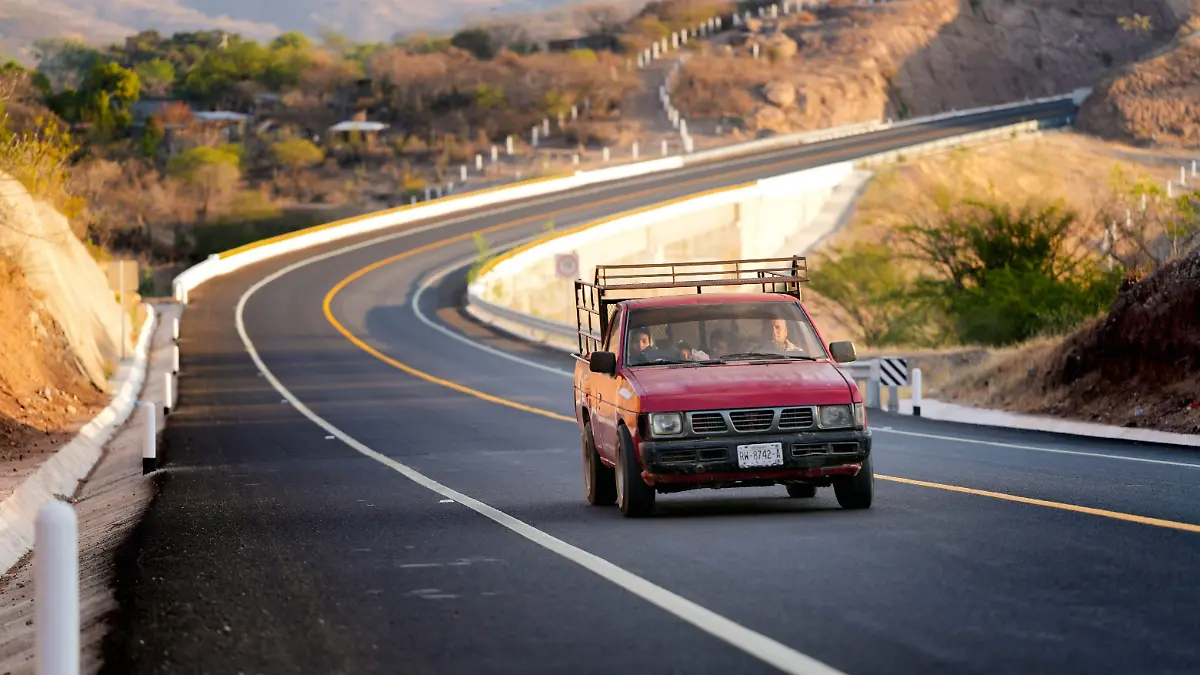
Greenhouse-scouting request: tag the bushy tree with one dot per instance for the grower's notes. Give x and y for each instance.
(868, 283)
(213, 171)
(294, 155)
(157, 76)
(477, 41)
(1006, 274)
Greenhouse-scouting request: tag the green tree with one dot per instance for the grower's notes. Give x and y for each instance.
(1008, 274)
(214, 172)
(292, 40)
(490, 97)
(103, 99)
(866, 281)
(295, 155)
(476, 41)
(216, 78)
(156, 75)
(152, 136)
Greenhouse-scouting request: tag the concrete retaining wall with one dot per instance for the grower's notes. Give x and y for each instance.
(755, 220)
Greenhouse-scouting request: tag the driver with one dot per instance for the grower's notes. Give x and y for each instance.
(779, 337)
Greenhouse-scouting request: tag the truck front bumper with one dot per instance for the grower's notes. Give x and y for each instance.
(813, 455)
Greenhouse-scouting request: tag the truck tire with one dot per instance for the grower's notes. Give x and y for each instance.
(802, 491)
(856, 492)
(634, 497)
(600, 480)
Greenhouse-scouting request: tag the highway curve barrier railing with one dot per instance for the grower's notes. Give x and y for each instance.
(229, 261)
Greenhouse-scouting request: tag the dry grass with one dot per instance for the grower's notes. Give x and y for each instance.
(1046, 168)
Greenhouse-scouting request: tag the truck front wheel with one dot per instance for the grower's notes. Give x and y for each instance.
(856, 492)
(635, 498)
(600, 480)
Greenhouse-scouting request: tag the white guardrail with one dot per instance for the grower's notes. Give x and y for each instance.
(221, 264)
(562, 336)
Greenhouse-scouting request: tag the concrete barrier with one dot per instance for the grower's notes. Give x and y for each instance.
(746, 221)
(59, 475)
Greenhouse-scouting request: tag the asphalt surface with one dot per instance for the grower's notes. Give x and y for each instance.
(275, 546)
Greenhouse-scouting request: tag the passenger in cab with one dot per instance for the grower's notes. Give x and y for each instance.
(779, 337)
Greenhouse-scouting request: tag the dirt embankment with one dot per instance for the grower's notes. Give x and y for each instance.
(1137, 367)
(917, 57)
(44, 392)
(1153, 102)
(59, 333)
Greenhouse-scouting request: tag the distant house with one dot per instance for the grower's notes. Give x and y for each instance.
(593, 42)
(231, 125)
(143, 109)
(345, 132)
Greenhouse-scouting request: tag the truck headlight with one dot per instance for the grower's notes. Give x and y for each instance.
(666, 424)
(836, 417)
(860, 416)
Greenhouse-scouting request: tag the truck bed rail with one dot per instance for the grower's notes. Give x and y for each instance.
(614, 283)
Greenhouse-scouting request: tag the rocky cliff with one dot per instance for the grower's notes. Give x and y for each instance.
(917, 57)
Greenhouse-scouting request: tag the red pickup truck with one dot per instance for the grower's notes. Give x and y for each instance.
(681, 384)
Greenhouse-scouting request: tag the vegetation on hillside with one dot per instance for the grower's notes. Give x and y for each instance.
(987, 272)
(166, 145)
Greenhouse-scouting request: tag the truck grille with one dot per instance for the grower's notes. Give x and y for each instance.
(708, 423)
(750, 421)
(796, 418)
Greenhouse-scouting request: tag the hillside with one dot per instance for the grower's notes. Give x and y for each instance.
(845, 63)
(1137, 367)
(1156, 101)
(22, 22)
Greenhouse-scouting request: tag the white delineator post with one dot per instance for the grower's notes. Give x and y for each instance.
(168, 393)
(56, 590)
(175, 329)
(150, 446)
(916, 392)
(175, 359)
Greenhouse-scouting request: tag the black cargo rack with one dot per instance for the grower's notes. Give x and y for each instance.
(616, 283)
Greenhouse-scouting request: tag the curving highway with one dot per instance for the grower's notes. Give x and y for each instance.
(361, 479)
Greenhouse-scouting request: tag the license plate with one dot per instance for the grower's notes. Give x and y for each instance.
(760, 454)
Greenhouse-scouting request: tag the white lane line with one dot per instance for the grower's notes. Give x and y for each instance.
(438, 276)
(755, 644)
(1034, 448)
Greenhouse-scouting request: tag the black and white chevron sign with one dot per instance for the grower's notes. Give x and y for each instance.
(893, 371)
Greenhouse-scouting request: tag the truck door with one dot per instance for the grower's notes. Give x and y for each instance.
(603, 389)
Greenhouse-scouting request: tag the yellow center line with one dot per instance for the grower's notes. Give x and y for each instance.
(327, 307)
(1144, 520)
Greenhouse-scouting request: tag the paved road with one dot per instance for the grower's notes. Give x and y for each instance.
(322, 517)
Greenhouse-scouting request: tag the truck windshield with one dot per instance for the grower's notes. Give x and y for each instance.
(720, 332)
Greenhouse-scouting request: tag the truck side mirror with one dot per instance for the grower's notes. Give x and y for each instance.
(843, 351)
(603, 362)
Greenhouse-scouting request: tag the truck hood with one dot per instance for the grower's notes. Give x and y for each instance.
(739, 385)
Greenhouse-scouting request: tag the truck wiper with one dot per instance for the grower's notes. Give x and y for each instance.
(762, 355)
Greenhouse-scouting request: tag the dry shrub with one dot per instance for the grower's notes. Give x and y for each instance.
(592, 133)
(711, 87)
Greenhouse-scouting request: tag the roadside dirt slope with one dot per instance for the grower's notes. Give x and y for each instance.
(1156, 101)
(1137, 367)
(44, 393)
